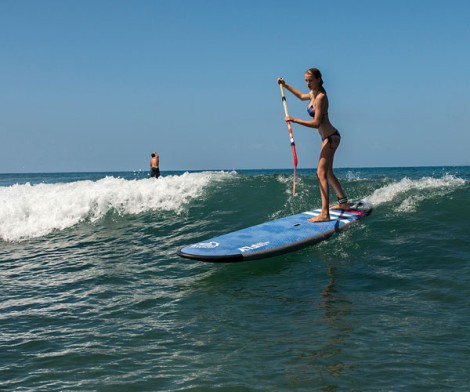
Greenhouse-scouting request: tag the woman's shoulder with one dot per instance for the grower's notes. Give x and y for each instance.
(321, 97)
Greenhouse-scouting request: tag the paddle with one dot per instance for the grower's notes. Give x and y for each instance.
(292, 143)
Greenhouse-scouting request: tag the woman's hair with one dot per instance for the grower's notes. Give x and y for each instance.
(315, 72)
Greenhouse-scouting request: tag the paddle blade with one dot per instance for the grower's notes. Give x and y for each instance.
(295, 180)
(294, 154)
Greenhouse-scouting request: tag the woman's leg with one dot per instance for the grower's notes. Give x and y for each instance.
(333, 181)
(325, 167)
(339, 192)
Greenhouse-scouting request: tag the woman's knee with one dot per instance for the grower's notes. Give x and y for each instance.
(322, 174)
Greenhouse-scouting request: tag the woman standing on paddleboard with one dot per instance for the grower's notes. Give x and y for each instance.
(318, 110)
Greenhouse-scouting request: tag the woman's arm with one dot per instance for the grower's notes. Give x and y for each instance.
(305, 123)
(293, 90)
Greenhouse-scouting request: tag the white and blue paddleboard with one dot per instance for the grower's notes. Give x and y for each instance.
(274, 237)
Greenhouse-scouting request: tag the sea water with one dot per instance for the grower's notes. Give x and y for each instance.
(94, 297)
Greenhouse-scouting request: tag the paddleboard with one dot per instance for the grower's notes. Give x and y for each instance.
(274, 237)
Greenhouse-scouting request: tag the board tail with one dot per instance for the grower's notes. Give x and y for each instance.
(363, 206)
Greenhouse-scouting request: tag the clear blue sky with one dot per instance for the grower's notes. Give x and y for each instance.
(98, 85)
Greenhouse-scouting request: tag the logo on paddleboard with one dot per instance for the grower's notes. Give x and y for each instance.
(254, 246)
(206, 245)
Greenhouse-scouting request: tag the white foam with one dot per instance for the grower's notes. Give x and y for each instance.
(29, 211)
(392, 191)
(353, 175)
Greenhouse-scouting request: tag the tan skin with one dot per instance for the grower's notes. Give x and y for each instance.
(155, 161)
(321, 121)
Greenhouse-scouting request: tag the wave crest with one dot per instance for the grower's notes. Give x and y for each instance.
(432, 186)
(30, 211)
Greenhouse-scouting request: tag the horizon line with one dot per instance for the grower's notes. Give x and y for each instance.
(233, 169)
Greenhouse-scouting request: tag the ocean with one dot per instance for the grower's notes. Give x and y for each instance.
(94, 297)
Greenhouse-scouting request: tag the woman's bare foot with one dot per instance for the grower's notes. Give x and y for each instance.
(320, 218)
(341, 206)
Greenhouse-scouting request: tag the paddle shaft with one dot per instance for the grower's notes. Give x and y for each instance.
(291, 136)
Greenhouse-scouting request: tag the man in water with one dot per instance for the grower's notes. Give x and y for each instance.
(155, 165)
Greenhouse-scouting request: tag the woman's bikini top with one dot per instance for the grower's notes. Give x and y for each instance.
(311, 110)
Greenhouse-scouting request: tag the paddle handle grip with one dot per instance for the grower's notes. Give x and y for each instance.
(284, 103)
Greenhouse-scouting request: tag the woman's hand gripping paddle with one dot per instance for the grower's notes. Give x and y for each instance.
(292, 143)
